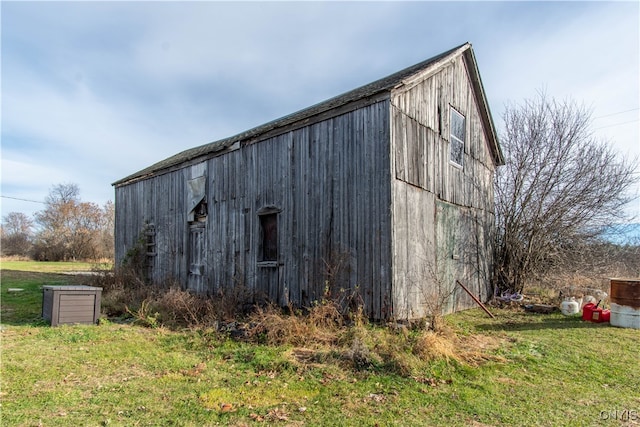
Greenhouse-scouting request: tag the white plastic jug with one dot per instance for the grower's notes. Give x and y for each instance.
(570, 306)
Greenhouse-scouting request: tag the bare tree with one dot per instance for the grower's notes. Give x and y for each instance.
(107, 239)
(560, 187)
(61, 194)
(72, 229)
(16, 234)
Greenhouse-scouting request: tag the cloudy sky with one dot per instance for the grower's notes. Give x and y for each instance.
(92, 92)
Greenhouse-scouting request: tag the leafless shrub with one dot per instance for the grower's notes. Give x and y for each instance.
(435, 292)
(347, 299)
(335, 267)
(182, 308)
(127, 292)
(436, 298)
(121, 288)
(174, 308)
(560, 187)
(232, 303)
(145, 315)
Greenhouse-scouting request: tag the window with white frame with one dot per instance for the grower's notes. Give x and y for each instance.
(456, 142)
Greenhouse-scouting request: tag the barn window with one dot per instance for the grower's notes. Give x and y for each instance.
(196, 203)
(456, 142)
(268, 234)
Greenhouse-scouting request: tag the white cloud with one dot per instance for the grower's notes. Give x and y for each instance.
(95, 91)
(588, 52)
(23, 173)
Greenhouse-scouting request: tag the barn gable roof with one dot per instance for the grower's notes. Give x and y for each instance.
(371, 90)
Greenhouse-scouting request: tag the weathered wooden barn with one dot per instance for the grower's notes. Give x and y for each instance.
(384, 192)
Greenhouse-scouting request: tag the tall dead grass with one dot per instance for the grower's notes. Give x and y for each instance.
(126, 293)
(323, 333)
(121, 288)
(321, 325)
(432, 345)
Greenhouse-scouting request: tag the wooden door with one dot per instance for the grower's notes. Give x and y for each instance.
(448, 254)
(197, 258)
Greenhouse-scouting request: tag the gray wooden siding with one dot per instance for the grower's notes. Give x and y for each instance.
(456, 204)
(330, 181)
(422, 139)
(367, 201)
(413, 249)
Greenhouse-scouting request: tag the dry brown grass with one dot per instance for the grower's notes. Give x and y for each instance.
(5, 258)
(469, 349)
(321, 337)
(121, 288)
(477, 349)
(320, 326)
(125, 292)
(322, 334)
(575, 284)
(553, 289)
(177, 307)
(433, 346)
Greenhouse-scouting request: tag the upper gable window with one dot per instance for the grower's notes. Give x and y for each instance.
(458, 133)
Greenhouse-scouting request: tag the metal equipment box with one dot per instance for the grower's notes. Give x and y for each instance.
(71, 304)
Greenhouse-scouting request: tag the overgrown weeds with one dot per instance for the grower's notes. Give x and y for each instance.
(121, 288)
(321, 325)
(328, 332)
(322, 335)
(125, 293)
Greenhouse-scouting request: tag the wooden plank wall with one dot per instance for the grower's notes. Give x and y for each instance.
(162, 202)
(414, 249)
(330, 181)
(460, 218)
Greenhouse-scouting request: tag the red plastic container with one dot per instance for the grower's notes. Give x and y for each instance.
(596, 315)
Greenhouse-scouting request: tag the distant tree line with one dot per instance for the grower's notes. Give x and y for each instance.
(67, 229)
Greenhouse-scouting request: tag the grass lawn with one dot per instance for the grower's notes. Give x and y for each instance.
(536, 370)
(50, 266)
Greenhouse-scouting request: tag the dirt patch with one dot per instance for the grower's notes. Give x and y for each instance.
(477, 349)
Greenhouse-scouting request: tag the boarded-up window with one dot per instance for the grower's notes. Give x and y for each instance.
(196, 190)
(269, 227)
(456, 142)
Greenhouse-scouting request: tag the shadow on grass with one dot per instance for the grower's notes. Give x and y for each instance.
(21, 293)
(531, 322)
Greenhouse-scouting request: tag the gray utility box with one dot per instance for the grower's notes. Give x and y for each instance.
(71, 304)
